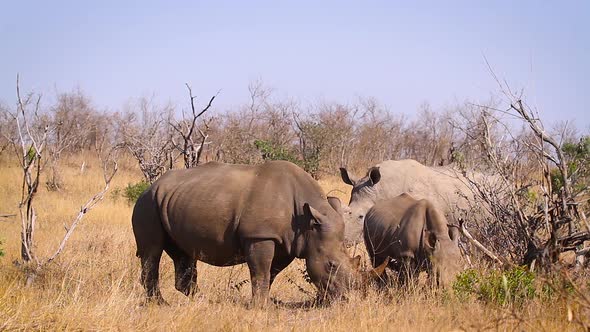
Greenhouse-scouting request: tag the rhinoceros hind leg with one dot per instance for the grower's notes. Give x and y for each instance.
(185, 270)
(150, 266)
(149, 237)
(259, 257)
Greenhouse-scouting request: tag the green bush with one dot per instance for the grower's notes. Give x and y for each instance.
(577, 155)
(311, 164)
(466, 283)
(1, 251)
(272, 151)
(134, 190)
(310, 161)
(514, 286)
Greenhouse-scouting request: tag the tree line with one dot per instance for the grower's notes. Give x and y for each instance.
(533, 180)
(321, 137)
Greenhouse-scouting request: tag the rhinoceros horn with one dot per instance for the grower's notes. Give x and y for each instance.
(372, 274)
(378, 271)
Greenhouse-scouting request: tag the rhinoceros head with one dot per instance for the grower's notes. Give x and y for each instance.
(361, 200)
(328, 265)
(445, 257)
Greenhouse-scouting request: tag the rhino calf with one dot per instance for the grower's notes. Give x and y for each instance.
(263, 215)
(415, 235)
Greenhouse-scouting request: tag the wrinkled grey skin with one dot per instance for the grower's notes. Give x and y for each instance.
(414, 233)
(264, 215)
(440, 185)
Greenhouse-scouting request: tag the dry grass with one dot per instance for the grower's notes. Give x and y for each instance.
(94, 284)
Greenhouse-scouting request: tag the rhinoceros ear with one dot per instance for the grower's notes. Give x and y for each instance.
(313, 215)
(335, 204)
(374, 175)
(346, 177)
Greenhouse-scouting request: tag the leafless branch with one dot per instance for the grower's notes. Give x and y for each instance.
(108, 175)
(477, 244)
(189, 149)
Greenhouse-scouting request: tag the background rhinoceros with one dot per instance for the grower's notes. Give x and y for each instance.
(443, 186)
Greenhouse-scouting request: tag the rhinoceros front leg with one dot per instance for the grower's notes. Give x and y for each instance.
(279, 263)
(259, 257)
(408, 272)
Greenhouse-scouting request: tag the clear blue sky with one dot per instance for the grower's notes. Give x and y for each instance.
(402, 53)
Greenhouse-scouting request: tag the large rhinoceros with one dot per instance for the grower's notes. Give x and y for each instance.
(443, 186)
(264, 215)
(414, 233)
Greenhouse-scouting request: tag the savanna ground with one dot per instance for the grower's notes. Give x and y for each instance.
(94, 283)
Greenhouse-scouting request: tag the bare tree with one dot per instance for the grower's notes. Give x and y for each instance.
(533, 219)
(149, 137)
(379, 135)
(30, 147)
(241, 128)
(191, 147)
(107, 152)
(500, 197)
(331, 128)
(7, 129)
(70, 121)
(560, 207)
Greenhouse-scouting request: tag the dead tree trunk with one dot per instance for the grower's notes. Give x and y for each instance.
(29, 146)
(190, 150)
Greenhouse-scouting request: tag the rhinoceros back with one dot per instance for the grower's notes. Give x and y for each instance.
(208, 210)
(385, 232)
(440, 185)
